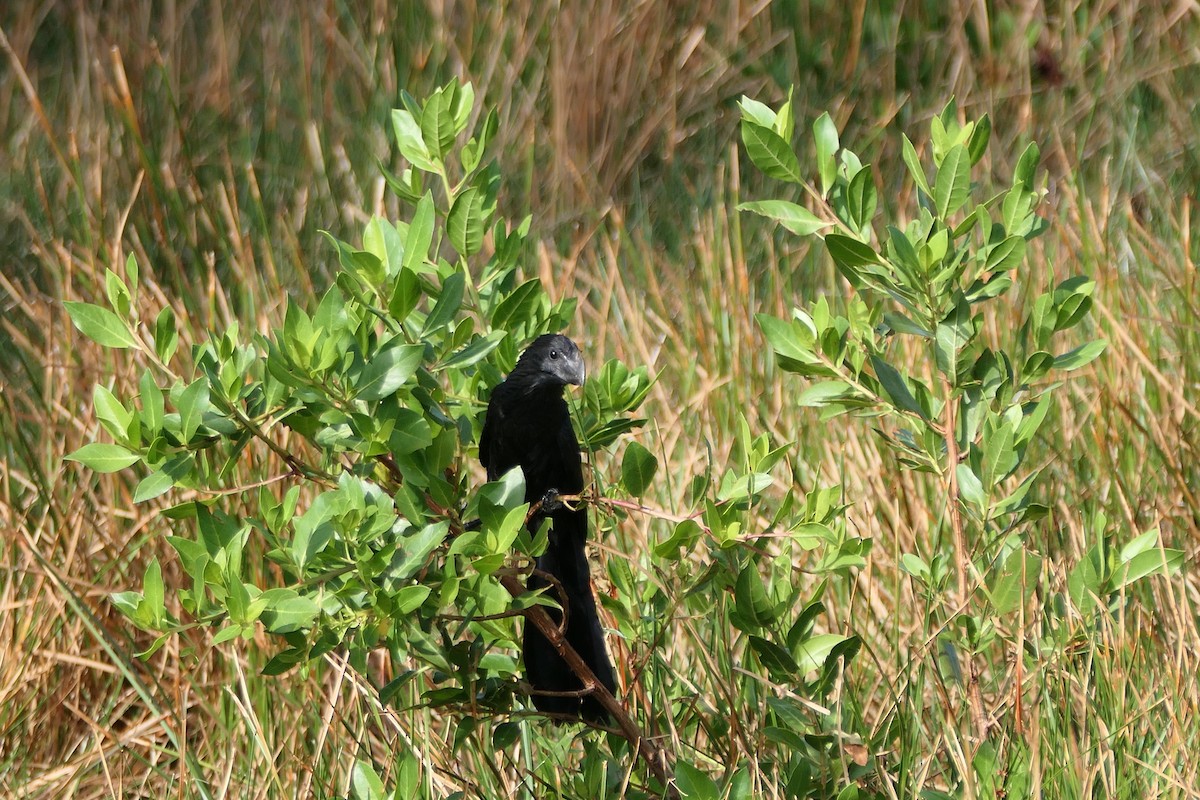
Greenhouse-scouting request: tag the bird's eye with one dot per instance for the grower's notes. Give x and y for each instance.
(554, 354)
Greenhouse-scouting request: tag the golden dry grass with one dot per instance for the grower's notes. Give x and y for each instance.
(212, 141)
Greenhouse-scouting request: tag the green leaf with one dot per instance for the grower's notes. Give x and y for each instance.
(778, 661)
(980, 137)
(1034, 415)
(1036, 366)
(796, 218)
(152, 591)
(914, 565)
(166, 337)
(735, 487)
(413, 550)
(945, 132)
(448, 303)
(1138, 545)
(1086, 580)
(1006, 255)
(758, 113)
(952, 335)
(365, 783)
(638, 466)
(812, 653)
(155, 484)
(850, 253)
(785, 120)
(970, 487)
(903, 255)
(1017, 212)
(1159, 561)
(192, 403)
(1026, 169)
(789, 340)
(1081, 356)
(118, 293)
(111, 413)
(1041, 320)
(902, 324)
(226, 634)
(1072, 301)
(192, 554)
(694, 784)
(861, 200)
(420, 235)
(473, 151)
(770, 152)
(131, 272)
(410, 598)
(462, 105)
(100, 325)
(518, 306)
(154, 647)
(475, 351)
(825, 134)
(381, 239)
(953, 184)
(994, 286)
(465, 224)
(286, 611)
(128, 604)
(822, 393)
(411, 143)
(153, 405)
(914, 166)
(364, 264)
(895, 385)
(685, 535)
(1000, 457)
(405, 295)
(388, 370)
(438, 128)
(407, 774)
(1015, 582)
(104, 458)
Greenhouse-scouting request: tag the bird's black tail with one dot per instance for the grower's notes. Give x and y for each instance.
(566, 560)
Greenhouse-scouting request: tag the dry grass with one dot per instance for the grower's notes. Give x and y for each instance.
(212, 141)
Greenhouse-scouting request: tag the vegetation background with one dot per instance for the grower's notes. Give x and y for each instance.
(214, 139)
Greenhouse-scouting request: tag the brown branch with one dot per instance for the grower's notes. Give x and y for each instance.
(555, 584)
(657, 760)
(649, 511)
(389, 463)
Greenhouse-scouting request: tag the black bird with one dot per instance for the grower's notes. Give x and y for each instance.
(528, 425)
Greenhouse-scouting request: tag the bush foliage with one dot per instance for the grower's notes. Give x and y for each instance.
(320, 476)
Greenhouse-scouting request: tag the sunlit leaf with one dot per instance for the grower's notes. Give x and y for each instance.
(100, 325)
(638, 466)
(770, 152)
(104, 458)
(825, 135)
(953, 183)
(796, 218)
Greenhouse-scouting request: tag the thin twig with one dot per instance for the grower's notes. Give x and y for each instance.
(961, 556)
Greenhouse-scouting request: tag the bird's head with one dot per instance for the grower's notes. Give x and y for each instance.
(552, 360)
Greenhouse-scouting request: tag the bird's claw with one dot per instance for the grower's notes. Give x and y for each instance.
(551, 501)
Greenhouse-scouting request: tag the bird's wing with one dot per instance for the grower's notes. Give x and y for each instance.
(493, 422)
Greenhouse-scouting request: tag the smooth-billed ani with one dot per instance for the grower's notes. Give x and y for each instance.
(528, 425)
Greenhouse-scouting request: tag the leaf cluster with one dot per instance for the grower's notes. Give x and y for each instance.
(367, 409)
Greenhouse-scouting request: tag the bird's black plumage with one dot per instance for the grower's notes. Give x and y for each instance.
(528, 425)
